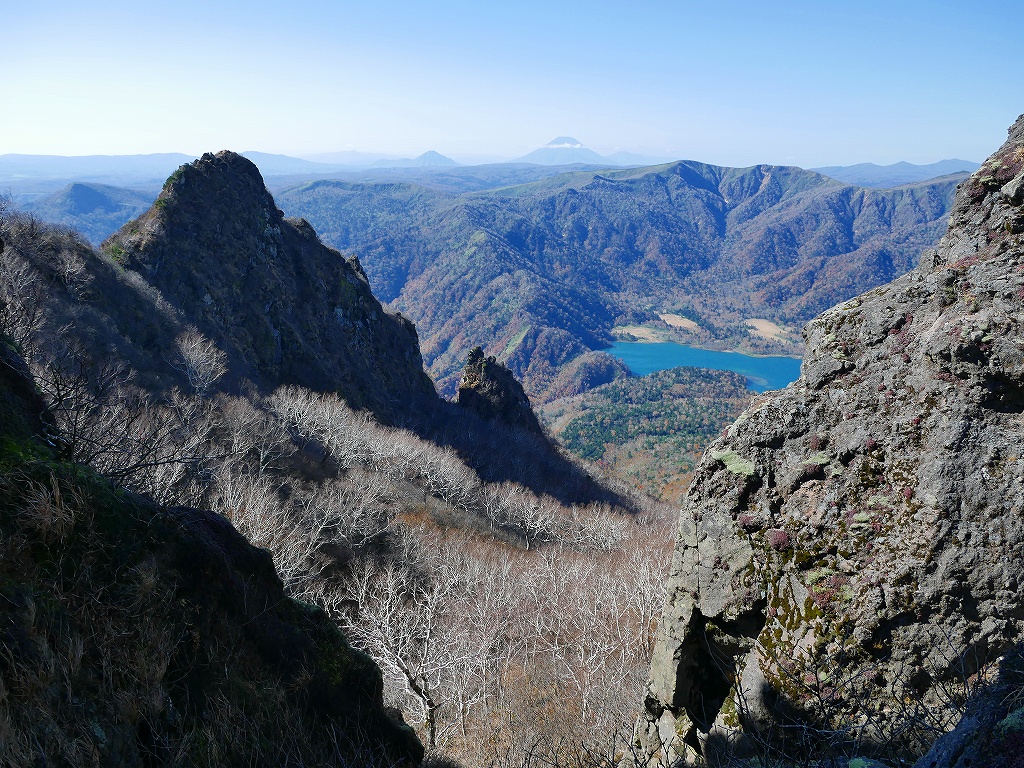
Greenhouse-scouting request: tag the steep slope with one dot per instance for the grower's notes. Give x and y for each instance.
(366, 520)
(286, 308)
(137, 635)
(542, 273)
(849, 553)
(489, 390)
(254, 296)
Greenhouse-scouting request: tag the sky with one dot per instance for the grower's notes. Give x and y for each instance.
(727, 82)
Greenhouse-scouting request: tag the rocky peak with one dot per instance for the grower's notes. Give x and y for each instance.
(490, 390)
(283, 306)
(849, 553)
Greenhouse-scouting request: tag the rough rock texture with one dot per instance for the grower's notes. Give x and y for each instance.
(991, 732)
(287, 308)
(490, 390)
(850, 552)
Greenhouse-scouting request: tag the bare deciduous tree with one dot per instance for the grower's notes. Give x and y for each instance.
(199, 359)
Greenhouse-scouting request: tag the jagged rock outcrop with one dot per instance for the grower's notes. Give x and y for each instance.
(991, 732)
(288, 309)
(137, 635)
(490, 390)
(850, 553)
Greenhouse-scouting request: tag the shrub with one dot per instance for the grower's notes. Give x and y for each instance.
(778, 539)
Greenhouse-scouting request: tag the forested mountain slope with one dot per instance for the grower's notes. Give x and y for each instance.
(141, 635)
(847, 570)
(95, 210)
(231, 297)
(451, 542)
(542, 273)
(649, 430)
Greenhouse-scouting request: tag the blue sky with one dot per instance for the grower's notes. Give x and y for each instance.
(735, 83)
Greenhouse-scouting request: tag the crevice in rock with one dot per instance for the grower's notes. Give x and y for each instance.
(705, 680)
(1003, 393)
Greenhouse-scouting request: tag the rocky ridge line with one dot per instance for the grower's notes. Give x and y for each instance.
(289, 309)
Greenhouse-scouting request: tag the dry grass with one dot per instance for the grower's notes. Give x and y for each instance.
(678, 321)
(640, 333)
(110, 654)
(766, 329)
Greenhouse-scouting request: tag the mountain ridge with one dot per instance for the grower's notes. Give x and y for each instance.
(895, 174)
(541, 274)
(273, 280)
(91, 208)
(261, 304)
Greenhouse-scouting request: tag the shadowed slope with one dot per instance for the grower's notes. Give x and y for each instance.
(287, 308)
(138, 635)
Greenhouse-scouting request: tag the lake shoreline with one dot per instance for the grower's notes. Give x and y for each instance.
(763, 372)
(694, 346)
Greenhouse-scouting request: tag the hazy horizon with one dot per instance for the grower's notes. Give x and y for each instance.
(467, 160)
(735, 83)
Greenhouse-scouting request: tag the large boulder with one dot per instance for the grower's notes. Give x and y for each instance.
(850, 553)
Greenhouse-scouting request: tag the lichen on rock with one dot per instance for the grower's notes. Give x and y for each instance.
(856, 540)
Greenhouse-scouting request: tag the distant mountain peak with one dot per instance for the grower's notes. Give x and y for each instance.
(428, 159)
(564, 142)
(563, 150)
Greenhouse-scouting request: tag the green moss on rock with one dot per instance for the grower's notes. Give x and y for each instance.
(734, 462)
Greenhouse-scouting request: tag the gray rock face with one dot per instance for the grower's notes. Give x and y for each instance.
(991, 732)
(851, 553)
(490, 390)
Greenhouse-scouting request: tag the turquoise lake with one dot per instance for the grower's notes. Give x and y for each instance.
(762, 372)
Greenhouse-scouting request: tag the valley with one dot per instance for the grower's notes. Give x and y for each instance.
(649, 430)
(511, 385)
(544, 274)
(215, 354)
